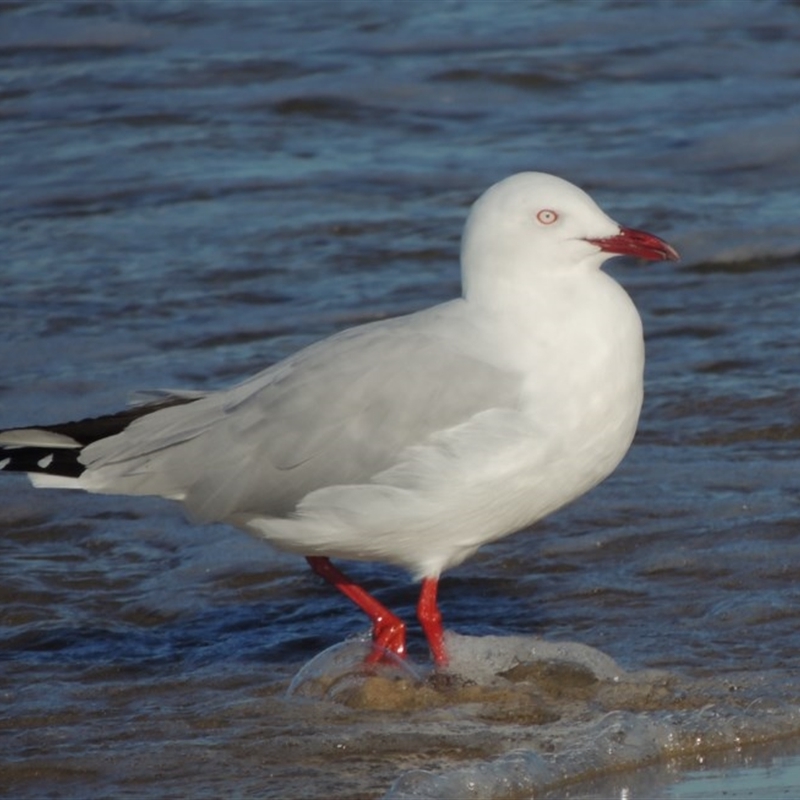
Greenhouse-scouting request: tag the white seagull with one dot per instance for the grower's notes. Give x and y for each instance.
(412, 440)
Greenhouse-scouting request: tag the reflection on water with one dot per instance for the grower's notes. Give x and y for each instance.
(192, 191)
(780, 778)
(737, 773)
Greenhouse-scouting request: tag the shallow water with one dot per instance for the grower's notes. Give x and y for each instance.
(770, 772)
(190, 191)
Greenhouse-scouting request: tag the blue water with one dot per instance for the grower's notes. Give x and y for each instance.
(190, 191)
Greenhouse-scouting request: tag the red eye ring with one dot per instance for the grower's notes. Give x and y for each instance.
(546, 216)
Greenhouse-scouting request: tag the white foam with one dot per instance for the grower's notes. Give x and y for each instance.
(617, 739)
(481, 658)
(342, 665)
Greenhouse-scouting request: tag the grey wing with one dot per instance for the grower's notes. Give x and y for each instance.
(337, 413)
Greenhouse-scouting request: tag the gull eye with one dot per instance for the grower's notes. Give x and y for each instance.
(546, 216)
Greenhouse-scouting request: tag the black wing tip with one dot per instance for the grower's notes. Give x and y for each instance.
(64, 461)
(92, 429)
(41, 460)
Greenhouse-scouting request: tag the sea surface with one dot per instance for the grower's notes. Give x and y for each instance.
(190, 191)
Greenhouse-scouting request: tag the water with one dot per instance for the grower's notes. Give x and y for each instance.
(190, 191)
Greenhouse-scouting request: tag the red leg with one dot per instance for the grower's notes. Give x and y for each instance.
(431, 619)
(388, 630)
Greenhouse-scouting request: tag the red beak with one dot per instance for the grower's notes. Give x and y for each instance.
(630, 242)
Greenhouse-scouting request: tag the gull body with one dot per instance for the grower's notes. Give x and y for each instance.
(413, 440)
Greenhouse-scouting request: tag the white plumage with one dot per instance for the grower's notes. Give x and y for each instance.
(413, 440)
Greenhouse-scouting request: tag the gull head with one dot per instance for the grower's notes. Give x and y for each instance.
(533, 224)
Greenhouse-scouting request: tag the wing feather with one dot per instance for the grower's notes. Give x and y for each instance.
(336, 413)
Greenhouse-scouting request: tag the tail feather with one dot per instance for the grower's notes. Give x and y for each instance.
(54, 450)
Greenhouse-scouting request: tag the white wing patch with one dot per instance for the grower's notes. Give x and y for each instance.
(36, 437)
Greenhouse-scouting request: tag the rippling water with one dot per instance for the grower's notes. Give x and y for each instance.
(190, 191)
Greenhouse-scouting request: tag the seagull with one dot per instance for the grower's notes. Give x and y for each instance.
(413, 440)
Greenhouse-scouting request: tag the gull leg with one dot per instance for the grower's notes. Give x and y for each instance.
(388, 630)
(431, 620)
